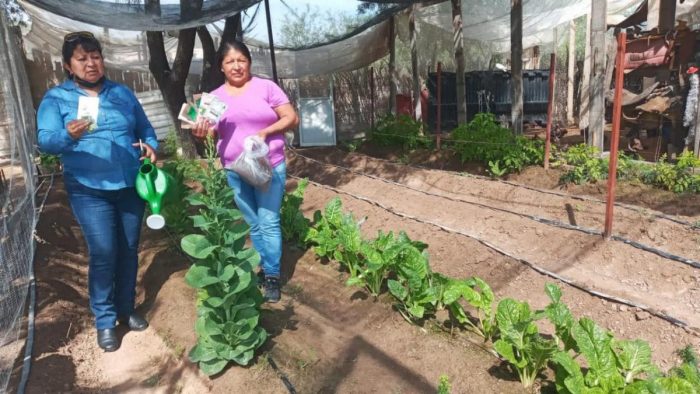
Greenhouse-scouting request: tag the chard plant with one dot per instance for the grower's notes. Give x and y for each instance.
(228, 299)
(415, 287)
(295, 227)
(560, 316)
(520, 342)
(480, 296)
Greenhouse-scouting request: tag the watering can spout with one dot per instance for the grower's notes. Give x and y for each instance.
(152, 185)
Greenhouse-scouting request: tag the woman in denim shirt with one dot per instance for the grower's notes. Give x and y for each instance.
(101, 158)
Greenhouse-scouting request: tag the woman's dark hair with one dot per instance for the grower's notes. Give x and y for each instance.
(83, 39)
(228, 45)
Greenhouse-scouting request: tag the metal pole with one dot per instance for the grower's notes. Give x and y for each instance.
(615, 137)
(550, 110)
(439, 103)
(272, 43)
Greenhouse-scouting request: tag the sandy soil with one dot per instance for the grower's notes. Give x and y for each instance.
(328, 338)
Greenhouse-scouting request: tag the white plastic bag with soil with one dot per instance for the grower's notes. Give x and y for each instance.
(253, 164)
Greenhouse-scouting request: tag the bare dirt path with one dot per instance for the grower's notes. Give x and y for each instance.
(613, 268)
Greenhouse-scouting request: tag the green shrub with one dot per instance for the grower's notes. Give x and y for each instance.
(401, 130)
(483, 140)
(678, 177)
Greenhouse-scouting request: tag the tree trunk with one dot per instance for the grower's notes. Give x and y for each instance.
(459, 61)
(171, 80)
(516, 56)
(597, 95)
(414, 60)
(392, 66)
(212, 77)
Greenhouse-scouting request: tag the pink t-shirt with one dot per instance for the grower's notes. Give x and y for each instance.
(247, 114)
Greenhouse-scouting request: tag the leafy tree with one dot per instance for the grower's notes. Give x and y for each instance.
(308, 26)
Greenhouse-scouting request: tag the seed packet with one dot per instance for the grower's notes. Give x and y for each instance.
(88, 108)
(211, 108)
(188, 115)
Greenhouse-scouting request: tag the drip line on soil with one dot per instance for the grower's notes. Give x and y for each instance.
(29, 346)
(542, 271)
(633, 208)
(550, 222)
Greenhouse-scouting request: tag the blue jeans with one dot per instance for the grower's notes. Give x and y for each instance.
(261, 210)
(111, 224)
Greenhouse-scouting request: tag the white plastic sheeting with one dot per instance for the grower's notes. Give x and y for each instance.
(487, 22)
(128, 49)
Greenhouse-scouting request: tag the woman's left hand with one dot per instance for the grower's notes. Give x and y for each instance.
(147, 150)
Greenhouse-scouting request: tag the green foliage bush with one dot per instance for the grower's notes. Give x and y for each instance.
(483, 140)
(588, 166)
(402, 131)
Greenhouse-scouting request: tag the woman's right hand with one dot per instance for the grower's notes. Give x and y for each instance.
(202, 128)
(76, 128)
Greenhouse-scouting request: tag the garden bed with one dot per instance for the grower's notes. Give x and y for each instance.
(325, 337)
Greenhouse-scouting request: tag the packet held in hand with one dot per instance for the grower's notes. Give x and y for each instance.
(253, 164)
(211, 108)
(88, 108)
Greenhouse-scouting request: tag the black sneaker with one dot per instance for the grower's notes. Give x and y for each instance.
(272, 289)
(261, 278)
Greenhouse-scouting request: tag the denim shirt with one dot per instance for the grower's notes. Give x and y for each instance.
(103, 158)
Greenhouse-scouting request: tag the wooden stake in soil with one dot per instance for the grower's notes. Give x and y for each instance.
(615, 137)
(550, 107)
(371, 97)
(439, 103)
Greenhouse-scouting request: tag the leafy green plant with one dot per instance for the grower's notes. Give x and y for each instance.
(444, 386)
(295, 227)
(587, 164)
(401, 130)
(177, 210)
(676, 177)
(520, 342)
(380, 256)
(560, 316)
(483, 140)
(688, 370)
(170, 144)
(414, 287)
(228, 300)
(480, 296)
(49, 163)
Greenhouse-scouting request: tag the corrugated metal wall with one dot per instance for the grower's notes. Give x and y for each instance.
(156, 111)
(488, 91)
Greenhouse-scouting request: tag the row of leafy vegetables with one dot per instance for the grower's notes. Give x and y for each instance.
(585, 357)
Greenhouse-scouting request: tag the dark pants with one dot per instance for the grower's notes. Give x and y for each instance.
(111, 224)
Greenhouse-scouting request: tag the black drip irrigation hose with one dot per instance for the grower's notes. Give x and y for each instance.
(29, 346)
(282, 376)
(550, 222)
(570, 282)
(657, 215)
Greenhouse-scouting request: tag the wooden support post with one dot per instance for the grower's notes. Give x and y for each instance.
(438, 125)
(413, 38)
(516, 62)
(550, 110)
(615, 137)
(584, 88)
(371, 97)
(459, 61)
(661, 15)
(597, 94)
(392, 66)
(570, 74)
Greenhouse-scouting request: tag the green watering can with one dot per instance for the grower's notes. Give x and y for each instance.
(153, 184)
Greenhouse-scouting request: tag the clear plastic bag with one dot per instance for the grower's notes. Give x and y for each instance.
(253, 164)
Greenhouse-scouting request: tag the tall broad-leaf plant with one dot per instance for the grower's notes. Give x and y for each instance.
(228, 299)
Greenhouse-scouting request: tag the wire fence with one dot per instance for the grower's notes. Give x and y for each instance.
(17, 185)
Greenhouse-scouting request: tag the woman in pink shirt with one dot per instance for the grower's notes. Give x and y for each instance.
(255, 106)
